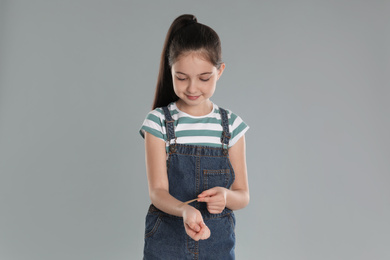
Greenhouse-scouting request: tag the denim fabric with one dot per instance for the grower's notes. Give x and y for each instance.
(225, 125)
(191, 170)
(169, 124)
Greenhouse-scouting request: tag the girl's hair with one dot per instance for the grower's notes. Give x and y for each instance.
(184, 35)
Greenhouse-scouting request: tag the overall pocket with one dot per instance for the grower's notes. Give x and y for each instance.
(214, 178)
(232, 220)
(152, 223)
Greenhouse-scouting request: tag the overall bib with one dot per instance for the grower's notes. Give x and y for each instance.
(191, 170)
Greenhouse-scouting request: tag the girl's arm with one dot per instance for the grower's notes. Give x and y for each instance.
(156, 169)
(238, 196)
(159, 190)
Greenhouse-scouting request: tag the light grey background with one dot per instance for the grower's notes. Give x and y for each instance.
(311, 78)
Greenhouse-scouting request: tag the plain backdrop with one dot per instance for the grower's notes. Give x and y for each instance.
(311, 79)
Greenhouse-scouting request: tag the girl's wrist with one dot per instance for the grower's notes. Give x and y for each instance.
(183, 209)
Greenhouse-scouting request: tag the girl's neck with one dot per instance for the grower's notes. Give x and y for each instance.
(199, 110)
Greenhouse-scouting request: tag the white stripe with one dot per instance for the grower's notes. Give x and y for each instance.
(237, 137)
(199, 126)
(181, 115)
(154, 125)
(157, 113)
(236, 123)
(199, 139)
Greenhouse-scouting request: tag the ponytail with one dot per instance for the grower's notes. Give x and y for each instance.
(185, 34)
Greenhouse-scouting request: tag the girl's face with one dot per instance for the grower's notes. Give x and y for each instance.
(194, 81)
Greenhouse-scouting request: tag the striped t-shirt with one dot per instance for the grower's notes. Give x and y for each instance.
(194, 130)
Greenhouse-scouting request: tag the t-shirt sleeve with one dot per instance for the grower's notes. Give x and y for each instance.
(237, 128)
(153, 124)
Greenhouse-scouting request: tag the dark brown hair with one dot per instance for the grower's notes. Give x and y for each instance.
(184, 35)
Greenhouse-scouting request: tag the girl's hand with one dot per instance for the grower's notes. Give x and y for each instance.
(215, 199)
(194, 225)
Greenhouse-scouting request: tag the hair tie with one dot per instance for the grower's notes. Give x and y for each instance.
(191, 21)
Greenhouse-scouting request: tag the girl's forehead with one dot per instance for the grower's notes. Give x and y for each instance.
(193, 61)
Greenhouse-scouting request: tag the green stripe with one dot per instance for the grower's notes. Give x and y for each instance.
(189, 120)
(153, 132)
(195, 133)
(174, 112)
(160, 110)
(233, 117)
(239, 129)
(207, 120)
(154, 118)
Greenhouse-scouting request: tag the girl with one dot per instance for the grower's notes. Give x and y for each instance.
(192, 147)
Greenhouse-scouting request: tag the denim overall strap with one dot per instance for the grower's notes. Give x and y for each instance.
(225, 133)
(170, 129)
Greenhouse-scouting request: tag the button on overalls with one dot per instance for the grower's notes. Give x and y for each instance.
(191, 170)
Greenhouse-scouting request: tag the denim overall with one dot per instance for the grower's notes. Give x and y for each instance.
(191, 170)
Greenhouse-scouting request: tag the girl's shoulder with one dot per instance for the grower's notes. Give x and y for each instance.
(231, 115)
(156, 115)
(237, 126)
(154, 122)
(159, 112)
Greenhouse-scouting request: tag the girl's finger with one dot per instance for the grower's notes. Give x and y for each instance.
(208, 192)
(195, 227)
(202, 231)
(215, 210)
(190, 232)
(205, 199)
(215, 206)
(206, 232)
(197, 236)
(194, 235)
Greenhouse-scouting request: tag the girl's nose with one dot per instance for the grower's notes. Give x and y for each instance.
(191, 88)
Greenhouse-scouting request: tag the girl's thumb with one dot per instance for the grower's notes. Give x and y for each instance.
(194, 227)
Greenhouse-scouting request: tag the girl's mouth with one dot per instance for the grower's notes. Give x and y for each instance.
(192, 97)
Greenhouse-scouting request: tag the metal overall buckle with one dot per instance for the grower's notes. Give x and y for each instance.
(223, 138)
(172, 148)
(224, 149)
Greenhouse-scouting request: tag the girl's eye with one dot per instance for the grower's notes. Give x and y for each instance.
(181, 79)
(205, 79)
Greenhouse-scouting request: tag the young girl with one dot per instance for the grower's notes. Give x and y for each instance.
(195, 150)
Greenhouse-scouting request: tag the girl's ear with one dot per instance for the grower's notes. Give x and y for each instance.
(220, 70)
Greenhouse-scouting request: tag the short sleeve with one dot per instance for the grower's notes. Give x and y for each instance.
(237, 128)
(153, 124)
